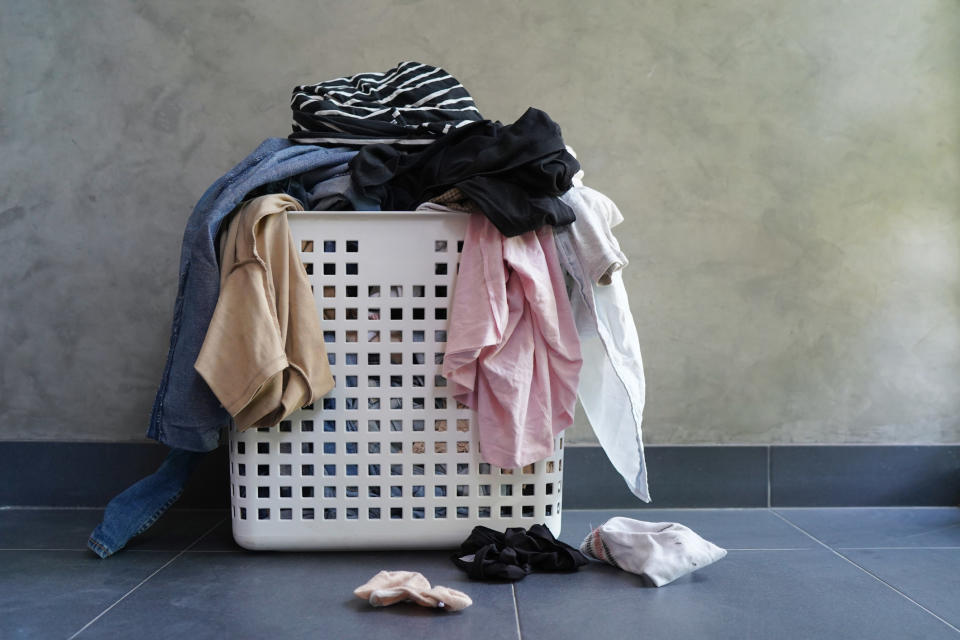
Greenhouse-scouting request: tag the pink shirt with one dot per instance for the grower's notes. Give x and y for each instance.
(513, 353)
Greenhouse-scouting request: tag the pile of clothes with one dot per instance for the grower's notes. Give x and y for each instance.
(658, 552)
(539, 314)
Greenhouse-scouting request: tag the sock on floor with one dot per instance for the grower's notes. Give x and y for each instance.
(391, 587)
(488, 554)
(660, 551)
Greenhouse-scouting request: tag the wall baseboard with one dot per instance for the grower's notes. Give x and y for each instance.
(88, 474)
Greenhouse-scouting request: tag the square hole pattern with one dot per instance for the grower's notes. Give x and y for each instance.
(388, 455)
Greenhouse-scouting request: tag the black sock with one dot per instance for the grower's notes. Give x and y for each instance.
(511, 555)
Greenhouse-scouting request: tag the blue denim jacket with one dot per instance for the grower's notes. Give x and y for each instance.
(186, 413)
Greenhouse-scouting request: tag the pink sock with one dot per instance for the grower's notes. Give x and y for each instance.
(391, 587)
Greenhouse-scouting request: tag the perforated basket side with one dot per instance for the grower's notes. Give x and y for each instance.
(388, 459)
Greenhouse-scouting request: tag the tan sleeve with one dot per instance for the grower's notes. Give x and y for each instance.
(264, 355)
(242, 348)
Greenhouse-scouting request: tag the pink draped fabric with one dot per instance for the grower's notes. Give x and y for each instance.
(513, 353)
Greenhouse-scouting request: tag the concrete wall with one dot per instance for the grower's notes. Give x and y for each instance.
(790, 173)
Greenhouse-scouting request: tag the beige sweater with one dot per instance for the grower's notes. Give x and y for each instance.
(263, 355)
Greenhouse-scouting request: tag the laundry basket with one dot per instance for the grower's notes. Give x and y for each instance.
(387, 459)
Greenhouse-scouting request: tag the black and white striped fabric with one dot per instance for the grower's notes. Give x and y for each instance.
(410, 105)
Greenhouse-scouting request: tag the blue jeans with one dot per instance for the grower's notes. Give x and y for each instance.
(137, 508)
(186, 414)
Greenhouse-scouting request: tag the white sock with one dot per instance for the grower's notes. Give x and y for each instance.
(661, 551)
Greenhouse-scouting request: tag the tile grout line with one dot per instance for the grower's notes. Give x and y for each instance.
(241, 551)
(769, 489)
(898, 548)
(55, 507)
(770, 549)
(798, 507)
(869, 573)
(128, 551)
(144, 581)
(516, 609)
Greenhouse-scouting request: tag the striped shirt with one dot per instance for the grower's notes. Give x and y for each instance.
(410, 105)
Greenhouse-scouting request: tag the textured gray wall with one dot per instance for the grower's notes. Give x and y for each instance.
(790, 174)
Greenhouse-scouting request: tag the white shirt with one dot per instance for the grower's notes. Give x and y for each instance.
(612, 389)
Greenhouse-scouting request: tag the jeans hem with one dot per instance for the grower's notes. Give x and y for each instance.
(102, 550)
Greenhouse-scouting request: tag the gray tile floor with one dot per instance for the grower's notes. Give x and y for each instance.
(790, 573)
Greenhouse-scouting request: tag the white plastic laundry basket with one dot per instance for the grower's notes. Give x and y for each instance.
(387, 459)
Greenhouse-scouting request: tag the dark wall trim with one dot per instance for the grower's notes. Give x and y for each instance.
(88, 474)
(867, 475)
(685, 476)
(775, 475)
